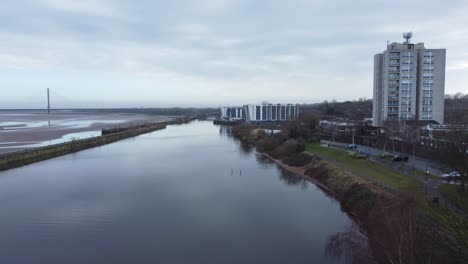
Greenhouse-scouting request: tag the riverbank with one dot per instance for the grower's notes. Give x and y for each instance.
(401, 225)
(339, 183)
(383, 215)
(21, 130)
(22, 158)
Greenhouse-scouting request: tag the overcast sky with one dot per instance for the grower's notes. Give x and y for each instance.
(212, 52)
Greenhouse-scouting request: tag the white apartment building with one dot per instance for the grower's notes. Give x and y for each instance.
(232, 113)
(261, 112)
(271, 112)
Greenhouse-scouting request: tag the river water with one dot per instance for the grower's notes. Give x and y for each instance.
(186, 194)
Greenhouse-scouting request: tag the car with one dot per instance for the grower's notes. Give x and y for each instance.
(400, 158)
(452, 174)
(352, 146)
(365, 153)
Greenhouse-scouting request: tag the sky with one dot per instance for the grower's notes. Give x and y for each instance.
(151, 53)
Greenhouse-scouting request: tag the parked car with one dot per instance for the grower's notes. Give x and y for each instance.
(352, 146)
(452, 174)
(400, 158)
(365, 153)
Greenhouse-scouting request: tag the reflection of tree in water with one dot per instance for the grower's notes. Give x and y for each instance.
(286, 176)
(244, 148)
(264, 161)
(350, 246)
(291, 178)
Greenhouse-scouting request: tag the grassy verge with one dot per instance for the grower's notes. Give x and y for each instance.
(451, 193)
(367, 168)
(454, 224)
(430, 176)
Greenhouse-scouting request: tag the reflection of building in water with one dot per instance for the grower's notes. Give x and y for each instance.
(261, 112)
(225, 130)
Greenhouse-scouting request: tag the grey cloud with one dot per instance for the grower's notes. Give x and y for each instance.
(224, 45)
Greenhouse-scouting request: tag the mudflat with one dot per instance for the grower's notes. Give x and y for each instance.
(27, 129)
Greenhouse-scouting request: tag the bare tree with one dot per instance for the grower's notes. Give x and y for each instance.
(332, 127)
(410, 131)
(399, 233)
(453, 150)
(392, 130)
(351, 245)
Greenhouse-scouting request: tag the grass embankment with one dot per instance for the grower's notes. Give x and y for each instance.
(451, 192)
(454, 224)
(356, 194)
(366, 168)
(389, 206)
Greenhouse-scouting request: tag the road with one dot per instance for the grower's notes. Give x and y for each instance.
(431, 185)
(419, 163)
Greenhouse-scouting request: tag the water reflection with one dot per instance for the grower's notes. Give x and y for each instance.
(244, 147)
(293, 179)
(350, 246)
(185, 194)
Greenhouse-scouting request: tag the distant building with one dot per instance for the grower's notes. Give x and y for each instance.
(435, 136)
(232, 113)
(409, 83)
(261, 112)
(271, 112)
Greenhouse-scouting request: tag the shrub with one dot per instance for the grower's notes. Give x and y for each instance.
(288, 148)
(268, 144)
(319, 172)
(359, 198)
(299, 160)
(356, 155)
(386, 155)
(242, 130)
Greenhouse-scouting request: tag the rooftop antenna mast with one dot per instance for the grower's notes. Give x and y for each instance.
(48, 102)
(407, 36)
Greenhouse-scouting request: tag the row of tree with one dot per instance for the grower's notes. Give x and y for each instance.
(456, 108)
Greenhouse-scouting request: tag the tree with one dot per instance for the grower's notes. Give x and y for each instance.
(392, 131)
(310, 120)
(351, 245)
(453, 151)
(399, 233)
(410, 135)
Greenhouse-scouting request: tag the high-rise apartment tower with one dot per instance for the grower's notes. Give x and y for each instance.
(409, 83)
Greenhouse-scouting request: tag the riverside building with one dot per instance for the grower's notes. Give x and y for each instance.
(261, 112)
(232, 113)
(409, 83)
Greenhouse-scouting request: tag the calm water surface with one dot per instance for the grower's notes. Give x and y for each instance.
(187, 194)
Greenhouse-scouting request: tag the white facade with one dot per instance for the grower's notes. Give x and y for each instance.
(232, 113)
(271, 112)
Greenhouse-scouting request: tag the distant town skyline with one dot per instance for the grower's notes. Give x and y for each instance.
(209, 53)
